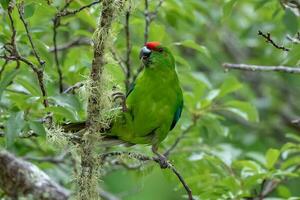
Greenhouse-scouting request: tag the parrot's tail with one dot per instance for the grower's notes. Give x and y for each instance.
(73, 127)
(106, 140)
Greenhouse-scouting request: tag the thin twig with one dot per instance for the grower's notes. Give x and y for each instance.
(246, 67)
(186, 187)
(56, 23)
(74, 43)
(39, 72)
(3, 67)
(271, 41)
(296, 121)
(147, 21)
(144, 158)
(178, 139)
(73, 87)
(128, 47)
(295, 40)
(149, 17)
(118, 59)
(21, 14)
(73, 12)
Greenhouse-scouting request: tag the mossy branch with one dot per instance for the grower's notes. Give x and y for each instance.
(98, 103)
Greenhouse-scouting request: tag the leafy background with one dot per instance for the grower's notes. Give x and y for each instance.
(239, 138)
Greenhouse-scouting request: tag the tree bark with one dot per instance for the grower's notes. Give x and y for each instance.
(21, 178)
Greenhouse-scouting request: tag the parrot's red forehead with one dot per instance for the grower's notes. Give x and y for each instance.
(152, 45)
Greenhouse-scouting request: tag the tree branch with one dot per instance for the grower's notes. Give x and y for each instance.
(19, 177)
(89, 166)
(246, 67)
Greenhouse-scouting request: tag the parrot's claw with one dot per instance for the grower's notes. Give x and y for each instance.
(120, 95)
(160, 159)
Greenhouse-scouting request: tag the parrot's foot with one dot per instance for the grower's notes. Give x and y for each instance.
(160, 159)
(120, 95)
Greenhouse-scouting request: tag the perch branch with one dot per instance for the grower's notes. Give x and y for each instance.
(246, 67)
(144, 158)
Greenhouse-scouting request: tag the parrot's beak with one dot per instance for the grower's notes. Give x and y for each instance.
(145, 53)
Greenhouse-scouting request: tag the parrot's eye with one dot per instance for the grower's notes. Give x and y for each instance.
(160, 50)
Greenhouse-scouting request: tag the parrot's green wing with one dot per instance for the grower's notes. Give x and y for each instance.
(177, 115)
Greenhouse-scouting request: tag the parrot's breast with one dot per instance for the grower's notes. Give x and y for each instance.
(153, 102)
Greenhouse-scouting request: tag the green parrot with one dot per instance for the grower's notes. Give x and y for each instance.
(153, 103)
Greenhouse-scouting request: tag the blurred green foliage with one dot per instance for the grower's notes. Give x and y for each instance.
(239, 139)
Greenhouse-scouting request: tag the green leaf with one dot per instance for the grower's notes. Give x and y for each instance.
(293, 137)
(7, 78)
(212, 94)
(228, 7)
(5, 4)
(272, 156)
(192, 44)
(29, 84)
(37, 127)
(13, 127)
(243, 109)
(291, 22)
(29, 10)
(64, 113)
(284, 191)
(230, 85)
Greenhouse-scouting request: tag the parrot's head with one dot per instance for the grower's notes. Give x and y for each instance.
(154, 54)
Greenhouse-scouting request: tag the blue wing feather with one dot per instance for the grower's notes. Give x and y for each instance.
(177, 115)
(130, 89)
